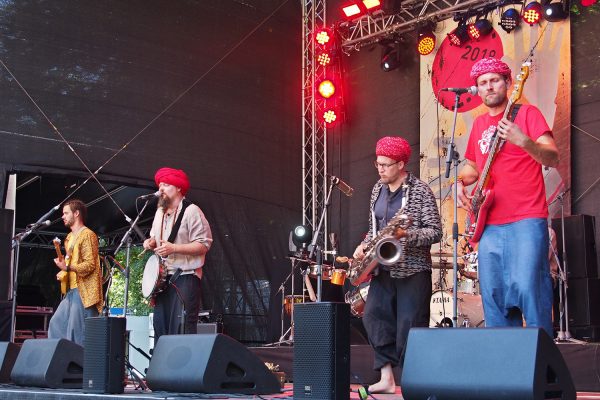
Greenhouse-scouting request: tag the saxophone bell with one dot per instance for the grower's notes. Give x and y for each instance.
(388, 251)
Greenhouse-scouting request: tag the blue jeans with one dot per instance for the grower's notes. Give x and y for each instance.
(514, 274)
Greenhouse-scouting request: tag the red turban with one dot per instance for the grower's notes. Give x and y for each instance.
(393, 147)
(175, 177)
(489, 64)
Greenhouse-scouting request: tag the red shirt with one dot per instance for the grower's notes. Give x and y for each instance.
(516, 177)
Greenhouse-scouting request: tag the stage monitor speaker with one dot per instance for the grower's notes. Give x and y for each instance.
(51, 363)
(503, 363)
(6, 233)
(8, 355)
(208, 363)
(580, 243)
(104, 355)
(322, 351)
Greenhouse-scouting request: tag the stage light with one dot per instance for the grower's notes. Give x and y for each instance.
(459, 36)
(329, 116)
(324, 59)
(301, 236)
(371, 5)
(532, 13)
(425, 41)
(326, 88)
(509, 20)
(324, 37)
(390, 57)
(479, 29)
(555, 12)
(353, 9)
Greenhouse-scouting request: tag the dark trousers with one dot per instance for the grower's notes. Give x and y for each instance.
(393, 307)
(168, 307)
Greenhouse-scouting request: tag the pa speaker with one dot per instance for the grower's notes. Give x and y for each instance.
(104, 355)
(8, 355)
(51, 363)
(322, 351)
(6, 233)
(208, 363)
(580, 243)
(503, 363)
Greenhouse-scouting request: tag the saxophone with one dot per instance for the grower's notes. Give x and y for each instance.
(384, 248)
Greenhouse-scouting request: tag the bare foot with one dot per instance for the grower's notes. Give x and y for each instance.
(387, 383)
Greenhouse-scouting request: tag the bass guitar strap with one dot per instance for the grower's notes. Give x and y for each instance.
(177, 225)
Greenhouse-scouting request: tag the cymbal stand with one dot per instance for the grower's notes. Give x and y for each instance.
(563, 305)
(285, 336)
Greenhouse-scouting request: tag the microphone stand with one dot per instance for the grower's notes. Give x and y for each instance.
(16, 246)
(127, 239)
(313, 246)
(453, 158)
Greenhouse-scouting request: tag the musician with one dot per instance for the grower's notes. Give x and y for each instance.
(84, 296)
(513, 250)
(399, 295)
(183, 256)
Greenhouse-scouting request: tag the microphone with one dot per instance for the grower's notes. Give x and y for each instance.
(343, 186)
(471, 90)
(174, 277)
(39, 224)
(48, 214)
(150, 195)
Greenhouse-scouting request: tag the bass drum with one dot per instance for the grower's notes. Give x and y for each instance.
(469, 310)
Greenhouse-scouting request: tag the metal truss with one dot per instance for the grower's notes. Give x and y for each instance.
(314, 133)
(371, 28)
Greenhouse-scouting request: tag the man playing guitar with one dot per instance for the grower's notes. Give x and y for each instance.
(513, 249)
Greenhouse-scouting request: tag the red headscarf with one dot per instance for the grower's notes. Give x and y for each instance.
(490, 64)
(393, 147)
(175, 177)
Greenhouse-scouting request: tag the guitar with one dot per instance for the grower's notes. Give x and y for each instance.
(483, 193)
(64, 276)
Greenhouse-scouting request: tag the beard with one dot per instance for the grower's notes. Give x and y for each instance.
(164, 202)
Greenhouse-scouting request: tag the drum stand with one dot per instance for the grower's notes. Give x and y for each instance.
(563, 306)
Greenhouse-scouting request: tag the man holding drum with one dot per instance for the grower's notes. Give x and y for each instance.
(399, 295)
(180, 237)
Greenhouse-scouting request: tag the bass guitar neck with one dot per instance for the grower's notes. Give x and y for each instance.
(64, 276)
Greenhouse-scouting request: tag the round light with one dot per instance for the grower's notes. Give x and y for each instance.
(509, 20)
(326, 89)
(532, 13)
(323, 59)
(425, 43)
(323, 37)
(329, 116)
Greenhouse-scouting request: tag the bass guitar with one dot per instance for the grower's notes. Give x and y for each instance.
(64, 276)
(483, 193)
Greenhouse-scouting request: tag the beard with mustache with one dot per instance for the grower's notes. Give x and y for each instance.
(164, 202)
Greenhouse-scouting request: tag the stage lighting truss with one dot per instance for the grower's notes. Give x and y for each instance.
(509, 20)
(532, 13)
(555, 11)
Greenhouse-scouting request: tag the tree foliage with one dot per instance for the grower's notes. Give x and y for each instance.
(136, 303)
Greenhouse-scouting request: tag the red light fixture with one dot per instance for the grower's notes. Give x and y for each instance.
(425, 41)
(329, 116)
(532, 13)
(371, 5)
(324, 59)
(479, 29)
(353, 10)
(324, 37)
(326, 89)
(459, 36)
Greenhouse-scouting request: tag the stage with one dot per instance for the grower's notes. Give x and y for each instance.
(583, 362)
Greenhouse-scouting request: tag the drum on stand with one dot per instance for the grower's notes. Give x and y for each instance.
(290, 300)
(469, 310)
(326, 271)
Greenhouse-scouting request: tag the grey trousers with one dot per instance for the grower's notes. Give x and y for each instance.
(68, 321)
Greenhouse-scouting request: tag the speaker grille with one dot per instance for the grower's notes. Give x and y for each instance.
(104, 355)
(322, 351)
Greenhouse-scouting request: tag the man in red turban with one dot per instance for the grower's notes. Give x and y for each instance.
(400, 291)
(513, 266)
(180, 237)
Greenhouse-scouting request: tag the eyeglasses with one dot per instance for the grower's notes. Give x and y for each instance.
(383, 165)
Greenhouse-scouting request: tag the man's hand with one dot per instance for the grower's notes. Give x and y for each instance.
(463, 199)
(60, 264)
(359, 252)
(399, 233)
(511, 132)
(165, 249)
(150, 244)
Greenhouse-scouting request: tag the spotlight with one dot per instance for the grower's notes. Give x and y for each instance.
(532, 13)
(324, 37)
(425, 41)
(324, 59)
(479, 29)
(459, 36)
(509, 20)
(390, 57)
(555, 12)
(329, 116)
(353, 9)
(301, 237)
(371, 5)
(326, 88)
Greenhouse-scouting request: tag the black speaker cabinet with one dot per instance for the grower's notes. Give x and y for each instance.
(6, 233)
(580, 243)
(322, 351)
(583, 296)
(8, 355)
(51, 363)
(208, 363)
(104, 355)
(503, 363)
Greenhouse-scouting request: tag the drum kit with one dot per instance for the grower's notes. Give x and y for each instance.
(469, 306)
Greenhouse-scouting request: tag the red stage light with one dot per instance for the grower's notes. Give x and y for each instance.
(371, 5)
(326, 88)
(329, 116)
(324, 59)
(353, 9)
(425, 42)
(532, 13)
(324, 37)
(587, 3)
(459, 36)
(480, 28)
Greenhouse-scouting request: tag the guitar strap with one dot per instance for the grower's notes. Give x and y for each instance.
(177, 225)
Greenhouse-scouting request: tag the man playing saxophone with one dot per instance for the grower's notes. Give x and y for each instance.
(400, 293)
